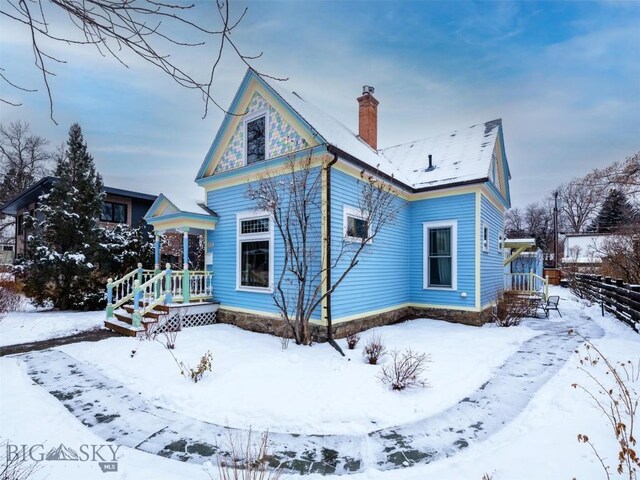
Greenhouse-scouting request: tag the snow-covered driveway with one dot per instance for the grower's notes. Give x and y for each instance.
(120, 415)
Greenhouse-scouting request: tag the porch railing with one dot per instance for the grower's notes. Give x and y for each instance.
(529, 283)
(148, 289)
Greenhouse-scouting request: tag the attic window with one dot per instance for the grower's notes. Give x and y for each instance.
(256, 138)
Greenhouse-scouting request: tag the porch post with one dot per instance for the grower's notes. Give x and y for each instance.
(156, 257)
(186, 282)
(156, 264)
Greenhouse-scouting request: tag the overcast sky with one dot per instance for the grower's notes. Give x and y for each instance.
(564, 77)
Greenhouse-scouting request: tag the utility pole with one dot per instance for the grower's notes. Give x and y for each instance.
(555, 229)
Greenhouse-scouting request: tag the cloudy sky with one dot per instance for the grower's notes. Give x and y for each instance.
(563, 76)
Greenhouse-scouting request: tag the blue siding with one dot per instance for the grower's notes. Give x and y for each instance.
(380, 279)
(455, 207)
(491, 271)
(227, 202)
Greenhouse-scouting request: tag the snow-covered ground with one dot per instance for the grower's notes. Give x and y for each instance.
(31, 324)
(253, 382)
(254, 378)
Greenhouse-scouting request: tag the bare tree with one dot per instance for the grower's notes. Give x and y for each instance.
(145, 29)
(514, 223)
(292, 197)
(624, 176)
(23, 158)
(620, 254)
(580, 201)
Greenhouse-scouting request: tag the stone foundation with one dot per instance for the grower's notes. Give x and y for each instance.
(275, 326)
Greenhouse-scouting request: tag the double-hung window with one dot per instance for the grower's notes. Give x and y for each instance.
(254, 252)
(440, 255)
(256, 130)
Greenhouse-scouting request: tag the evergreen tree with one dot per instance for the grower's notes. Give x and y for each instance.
(66, 234)
(616, 213)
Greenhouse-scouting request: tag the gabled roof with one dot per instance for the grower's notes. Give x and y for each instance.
(461, 156)
(165, 214)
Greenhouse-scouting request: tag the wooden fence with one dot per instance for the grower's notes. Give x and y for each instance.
(615, 296)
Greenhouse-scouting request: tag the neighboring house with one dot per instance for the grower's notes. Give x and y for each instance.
(584, 252)
(119, 207)
(442, 258)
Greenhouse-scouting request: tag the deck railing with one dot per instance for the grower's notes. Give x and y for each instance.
(148, 289)
(529, 283)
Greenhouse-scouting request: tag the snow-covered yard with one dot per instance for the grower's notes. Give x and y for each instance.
(31, 324)
(304, 389)
(311, 390)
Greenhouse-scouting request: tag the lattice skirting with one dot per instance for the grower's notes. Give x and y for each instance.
(177, 322)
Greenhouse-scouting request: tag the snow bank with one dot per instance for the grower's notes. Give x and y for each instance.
(34, 325)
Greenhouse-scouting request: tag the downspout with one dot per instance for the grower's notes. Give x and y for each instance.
(330, 339)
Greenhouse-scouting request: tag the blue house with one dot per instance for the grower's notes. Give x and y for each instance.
(442, 257)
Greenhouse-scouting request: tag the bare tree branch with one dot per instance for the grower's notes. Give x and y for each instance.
(292, 197)
(138, 27)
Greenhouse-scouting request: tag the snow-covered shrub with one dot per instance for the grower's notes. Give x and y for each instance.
(614, 387)
(10, 298)
(405, 370)
(374, 350)
(352, 340)
(509, 310)
(245, 458)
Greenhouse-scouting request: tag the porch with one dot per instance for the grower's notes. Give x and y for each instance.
(525, 284)
(164, 297)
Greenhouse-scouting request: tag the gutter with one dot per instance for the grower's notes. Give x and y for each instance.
(330, 339)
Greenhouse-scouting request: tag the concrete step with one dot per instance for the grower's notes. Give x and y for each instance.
(122, 327)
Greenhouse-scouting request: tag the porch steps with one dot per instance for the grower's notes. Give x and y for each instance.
(122, 328)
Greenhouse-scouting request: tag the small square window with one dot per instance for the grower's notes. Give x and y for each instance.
(356, 228)
(256, 139)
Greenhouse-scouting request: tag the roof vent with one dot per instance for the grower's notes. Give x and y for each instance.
(431, 167)
(368, 90)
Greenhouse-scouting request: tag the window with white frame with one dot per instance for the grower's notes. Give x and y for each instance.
(256, 137)
(441, 255)
(485, 237)
(254, 252)
(355, 226)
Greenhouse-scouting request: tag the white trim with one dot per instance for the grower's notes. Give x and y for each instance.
(453, 224)
(248, 215)
(349, 211)
(485, 246)
(249, 118)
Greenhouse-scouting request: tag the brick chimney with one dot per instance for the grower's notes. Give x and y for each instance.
(368, 117)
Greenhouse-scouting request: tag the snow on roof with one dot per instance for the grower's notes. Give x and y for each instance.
(338, 134)
(189, 205)
(458, 156)
(520, 241)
